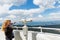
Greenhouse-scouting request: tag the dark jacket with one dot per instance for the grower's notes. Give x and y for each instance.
(9, 32)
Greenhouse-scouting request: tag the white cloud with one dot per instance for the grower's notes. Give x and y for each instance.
(40, 16)
(6, 4)
(11, 16)
(50, 17)
(45, 3)
(19, 2)
(55, 15)
(58, 1)
(28, 13)
(14, 2)
(4, 8)
(1, 18)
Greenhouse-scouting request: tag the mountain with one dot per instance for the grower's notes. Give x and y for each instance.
(33, 23)
(40, 23)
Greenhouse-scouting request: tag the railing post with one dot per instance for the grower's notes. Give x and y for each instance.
(16, 28)
(41, 29)
(17, 35)
(34, 36)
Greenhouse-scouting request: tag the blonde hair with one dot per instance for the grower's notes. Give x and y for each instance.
(5, 24)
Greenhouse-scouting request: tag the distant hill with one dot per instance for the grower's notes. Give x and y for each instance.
(37, 24)
(43, 24)
(52, 26)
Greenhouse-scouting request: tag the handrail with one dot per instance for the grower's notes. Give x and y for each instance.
(40, 28)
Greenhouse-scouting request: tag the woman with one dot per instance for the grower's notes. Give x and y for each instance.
(8, 30)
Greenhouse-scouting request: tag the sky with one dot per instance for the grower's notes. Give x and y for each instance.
(37, 10)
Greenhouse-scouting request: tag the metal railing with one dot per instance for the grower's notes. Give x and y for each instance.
(40, 29)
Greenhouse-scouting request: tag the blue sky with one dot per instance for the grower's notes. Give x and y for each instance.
(28, 5)
(37, 10)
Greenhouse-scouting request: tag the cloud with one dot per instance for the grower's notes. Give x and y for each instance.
(46, 3)
(1, 18)
(29, 14)
(19, 2)
(6, 4)
(40, 16)
(14, 2)
(4, 8)
(11, 16)
(50, 17)
(55, 15)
